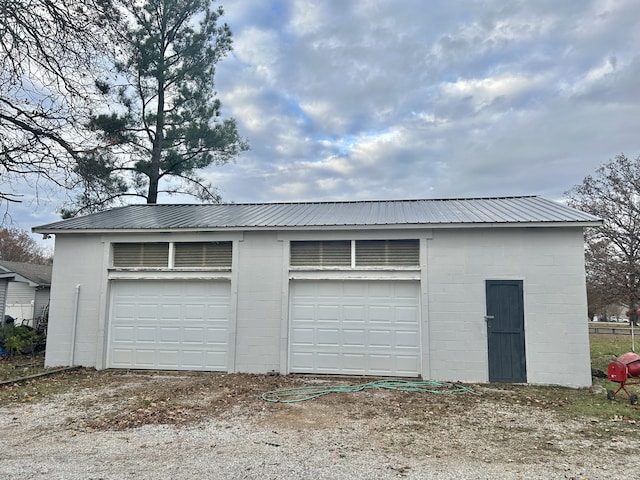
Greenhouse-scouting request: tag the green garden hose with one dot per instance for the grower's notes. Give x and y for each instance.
(301, 394)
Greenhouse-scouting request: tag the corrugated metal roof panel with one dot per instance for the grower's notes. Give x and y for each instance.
(504, 210)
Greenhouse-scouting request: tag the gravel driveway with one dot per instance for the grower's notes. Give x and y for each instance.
(118, 425)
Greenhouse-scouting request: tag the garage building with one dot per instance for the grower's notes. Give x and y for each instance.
(475, 290)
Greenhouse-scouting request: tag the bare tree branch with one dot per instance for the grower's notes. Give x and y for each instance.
(49, 52)
(612, 252)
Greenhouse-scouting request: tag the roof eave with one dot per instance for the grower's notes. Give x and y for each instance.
(389, 226)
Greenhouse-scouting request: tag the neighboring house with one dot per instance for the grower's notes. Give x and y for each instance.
(474, 290)
(27, 294)
(5, 278)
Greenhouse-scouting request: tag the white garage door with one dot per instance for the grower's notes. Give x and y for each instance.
(355, 327)
(171, 325)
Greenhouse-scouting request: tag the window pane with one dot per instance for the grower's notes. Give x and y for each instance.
(203, 254)
(321, 253)
(140, 254)
(383, 253)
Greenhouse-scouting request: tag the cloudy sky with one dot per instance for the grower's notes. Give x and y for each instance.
(388, 99)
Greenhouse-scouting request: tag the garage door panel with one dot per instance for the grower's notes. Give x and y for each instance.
(217, 336)
(379, 314)
(304, 312)
(146, 334)
(406, 314)
(381, 364)
(196, 312)
(123, 333)
(147, 311)
(380, 290)
(355, 289)
(124, 311)
(354, 313)
(169, 335)
(178, 325)
(404, 290)
(304, 360)
(193, 335)
(328, 362)
(354, 338)
(327, 337)
(374, 327)
(328, 313)
(381, 338)
(355, 363)
(328, 290)
(219, 312)
(193, 359)
(120, 357)
(302, 336)
(406, 339)
(406, 364)
(145, 357)
(215, 358)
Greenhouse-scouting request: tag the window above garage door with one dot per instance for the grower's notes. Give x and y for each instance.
(178, 255)
(355, 254)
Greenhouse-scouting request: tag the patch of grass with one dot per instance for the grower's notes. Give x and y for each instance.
(606, 348)
(18, 366)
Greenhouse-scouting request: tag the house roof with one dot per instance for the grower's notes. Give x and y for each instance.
(38, 275)
(389, 213)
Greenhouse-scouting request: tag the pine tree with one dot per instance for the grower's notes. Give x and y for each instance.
(164, 122)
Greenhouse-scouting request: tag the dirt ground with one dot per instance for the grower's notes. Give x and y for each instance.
(121, 424)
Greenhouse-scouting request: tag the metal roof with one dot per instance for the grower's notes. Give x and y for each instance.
(400, 213)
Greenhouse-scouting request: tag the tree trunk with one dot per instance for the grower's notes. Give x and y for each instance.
(154, 174)
(156, 152)
(633, 312)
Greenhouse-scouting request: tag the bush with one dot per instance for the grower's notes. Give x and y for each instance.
(18, 339)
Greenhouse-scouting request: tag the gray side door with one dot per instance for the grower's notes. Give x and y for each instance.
(505, 331)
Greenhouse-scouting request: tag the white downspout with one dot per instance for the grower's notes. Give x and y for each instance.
(75, 325)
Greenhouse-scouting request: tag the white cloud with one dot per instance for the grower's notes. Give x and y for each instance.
(291, 189)
(259, 49)
(484, 91)
(307, 17)
(590, 78)
(381, 99)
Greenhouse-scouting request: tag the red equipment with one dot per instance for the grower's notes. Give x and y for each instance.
(623, 371)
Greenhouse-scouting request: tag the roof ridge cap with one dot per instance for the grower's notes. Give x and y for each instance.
(328, 202)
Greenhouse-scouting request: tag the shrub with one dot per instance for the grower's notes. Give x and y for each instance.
(18, 339)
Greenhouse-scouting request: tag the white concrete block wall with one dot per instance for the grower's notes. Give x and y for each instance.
(551, 265)
(259, 310)
(77, 261)
(458, 262)
(556, 314)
